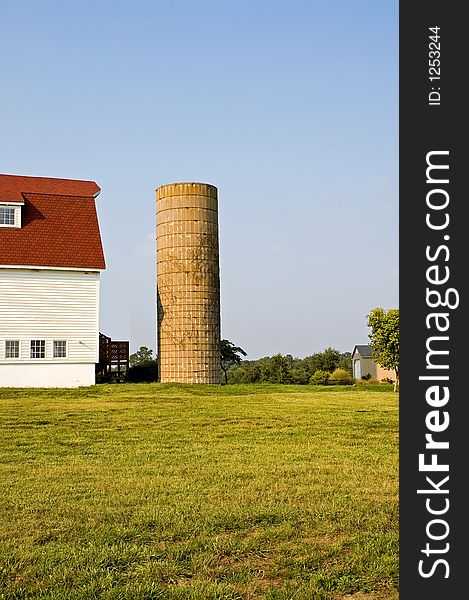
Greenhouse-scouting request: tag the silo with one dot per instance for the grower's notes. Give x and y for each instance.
(188, 283)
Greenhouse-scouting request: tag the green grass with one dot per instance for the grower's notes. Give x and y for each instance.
(153, 491)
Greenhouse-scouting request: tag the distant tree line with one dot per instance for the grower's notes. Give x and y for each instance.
(324, 367)
(327, 367)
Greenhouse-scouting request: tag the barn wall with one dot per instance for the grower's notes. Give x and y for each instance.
(46, 375)
(50, 305)
(368, 366)
(382, 373)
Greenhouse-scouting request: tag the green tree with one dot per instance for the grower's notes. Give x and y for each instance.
(141, 358)
(327, 360)
(299, 374)
(384, 339)
(276, 369)
(330, 359)
(345, 362)
(230, 355)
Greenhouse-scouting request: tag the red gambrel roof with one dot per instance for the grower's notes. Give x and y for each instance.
(12, 187)
(59, 224)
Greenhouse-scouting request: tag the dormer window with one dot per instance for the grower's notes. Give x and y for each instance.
(10, 216)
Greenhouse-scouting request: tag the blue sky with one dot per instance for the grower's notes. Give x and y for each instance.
(290, 109)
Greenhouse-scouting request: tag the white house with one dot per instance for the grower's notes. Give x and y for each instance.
(51, 258)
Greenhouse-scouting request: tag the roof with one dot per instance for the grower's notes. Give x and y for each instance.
(12, 187)
(364, 350)
(59, 224)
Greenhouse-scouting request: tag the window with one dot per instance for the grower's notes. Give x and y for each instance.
(12, 349)
(7, 215)
(60, 349)
(38, 349)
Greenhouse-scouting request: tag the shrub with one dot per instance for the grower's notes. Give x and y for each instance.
(366, 377)
(146, 372)
(366, 382)
(320, 377)
(340, 377)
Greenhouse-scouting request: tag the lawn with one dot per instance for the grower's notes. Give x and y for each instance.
(172, 492)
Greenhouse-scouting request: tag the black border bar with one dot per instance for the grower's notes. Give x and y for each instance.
(433, 248)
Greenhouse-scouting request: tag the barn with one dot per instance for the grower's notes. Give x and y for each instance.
(51, 258)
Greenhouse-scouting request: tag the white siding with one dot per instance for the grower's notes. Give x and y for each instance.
(50, 305)
(46, 375)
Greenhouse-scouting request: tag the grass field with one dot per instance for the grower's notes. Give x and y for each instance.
(165, 491)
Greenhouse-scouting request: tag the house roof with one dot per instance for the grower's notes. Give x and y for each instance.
(364, 350)
(12, 187)
(59, 224)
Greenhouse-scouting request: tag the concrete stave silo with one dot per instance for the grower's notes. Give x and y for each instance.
(188, 282)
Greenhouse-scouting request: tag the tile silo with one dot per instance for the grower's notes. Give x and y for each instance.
(188, 283)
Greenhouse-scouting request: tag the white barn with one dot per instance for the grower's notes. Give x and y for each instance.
(51, 258)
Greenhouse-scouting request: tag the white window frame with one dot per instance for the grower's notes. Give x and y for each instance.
(18, 349)
(4, 212)
(16, 208)
(65, 348)
(33, 349)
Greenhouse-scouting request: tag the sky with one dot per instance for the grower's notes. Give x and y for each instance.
(290, 109)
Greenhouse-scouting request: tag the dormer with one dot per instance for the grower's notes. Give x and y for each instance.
(49, 222)
(10, 214)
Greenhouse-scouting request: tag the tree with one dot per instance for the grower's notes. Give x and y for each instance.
(345, 362)
(230, 355)
(384, 339)
(300, 375)
(276, 369)
(141, 358)
(328, 360)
